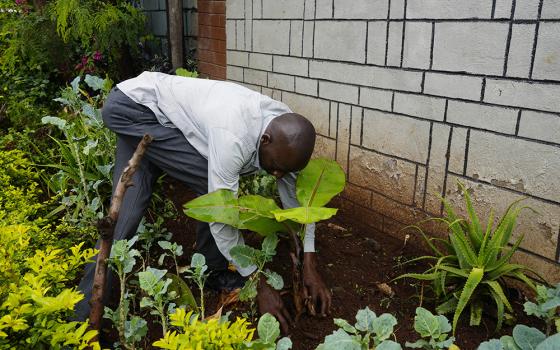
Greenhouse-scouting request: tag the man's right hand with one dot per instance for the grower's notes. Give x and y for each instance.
(269, 300)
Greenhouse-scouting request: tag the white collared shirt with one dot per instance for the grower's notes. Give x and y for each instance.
(224, 122)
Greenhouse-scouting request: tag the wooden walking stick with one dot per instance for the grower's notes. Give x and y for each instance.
(106, 227)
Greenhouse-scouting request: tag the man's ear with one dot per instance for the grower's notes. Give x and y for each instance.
(265, 139)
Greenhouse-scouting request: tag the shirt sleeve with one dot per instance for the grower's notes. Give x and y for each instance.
(226, 156)
(287, 191)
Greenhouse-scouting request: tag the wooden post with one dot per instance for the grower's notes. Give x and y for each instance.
(175, 20)
(106, 227)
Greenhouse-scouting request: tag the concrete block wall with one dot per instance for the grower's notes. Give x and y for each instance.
(411, 96)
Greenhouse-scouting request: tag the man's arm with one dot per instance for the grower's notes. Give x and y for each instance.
(314, 287)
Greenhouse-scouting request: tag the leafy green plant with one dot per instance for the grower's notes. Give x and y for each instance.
(197, 272)
(474, 262)
(523, 338)
(85, 153)
(316, 185)
(182, 72)
(154, 284)
(122, 260)
(150, 233)
(433, 328)
(246, 256)
(260, 183)
(546, 306)
(369, 332)
(170, 249)
(219, 333)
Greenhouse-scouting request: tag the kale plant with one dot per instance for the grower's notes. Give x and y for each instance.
(433, 330)
(546, 308)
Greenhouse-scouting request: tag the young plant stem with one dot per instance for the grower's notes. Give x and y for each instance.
(106, 228)
(297, 276)
(201, 288)
(161, 310)
(122, 314)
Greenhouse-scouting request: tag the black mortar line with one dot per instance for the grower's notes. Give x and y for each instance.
(508, 41)
(336, 132)
(387, 32)
(493, 13)
(403, 31)
(534, 51)
(432, 45)
(447, 157)
(445, 110)
(367, 35)
(558, 247)
(362, 128)
(483, 88)
(415, 185)
(518, 123)
(468, 139)
(427, 166)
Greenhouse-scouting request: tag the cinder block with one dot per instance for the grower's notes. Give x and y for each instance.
(237, 58)
(362, 9)
(550, 9)
(296, 33)
(333, 115)
(332, 40)
(397, 9)
(503, 9)
(323, 9)
(240, 34)
(520, 49)
(235, 9)
(257, 9)
(266, 91)
(314, 109)
(420, 106)
(377, 33)
(357, 194)
(458, 86)
(436, 171)
(482, 116)
(290, 65)
(525, 166)
(545, 267)
(308, 30)
(306, 86)
(394, 48)
(526, 9)
(271, 36)
(420, 189)
(338, 92)
(376, 98)
(457, 152)
(342, 72)
(541, 96)
(234, 73)
(248, 25)
(344, 115)
(396, 135)
(342, 149)
(282, 9)
(231, 35)
(397, 79)
(417, 44)
(255, 77)
(547, 57)
(260, 61)
(540, 126)
(475, 47)
(309, 9)
(281, 81)
(540, 229)
(450, 9)
(252, 87)
(390, 176)
(356, 128)
(324, 148)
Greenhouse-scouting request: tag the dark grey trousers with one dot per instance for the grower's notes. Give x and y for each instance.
(169, 152)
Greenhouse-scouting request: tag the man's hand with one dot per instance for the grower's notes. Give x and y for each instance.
(314, 287)
(269, 300)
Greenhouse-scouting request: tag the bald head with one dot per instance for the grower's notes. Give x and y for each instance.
(287, 144)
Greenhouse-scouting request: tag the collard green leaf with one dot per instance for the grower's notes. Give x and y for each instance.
(383, 326)
(274, 279)
(304, 215)
(527, 338)
(388, 345)
(319, 182)
(340, 340)
(493, 344)
(269, 245)
(342, 323)
(58, 122)
(284, 344)
(149, 280)
(135, 329)
(243, 255)
(268, 328)
(419, 344)
(94, 82)
(508, 343)
(550, 343)
(198, 260)
(364, 320)
(249, 291)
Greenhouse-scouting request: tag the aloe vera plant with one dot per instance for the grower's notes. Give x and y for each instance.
(471, 267)
(316, 185)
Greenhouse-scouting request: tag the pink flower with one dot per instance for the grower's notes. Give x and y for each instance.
(97, 56)
(84, 60)
(19, 2)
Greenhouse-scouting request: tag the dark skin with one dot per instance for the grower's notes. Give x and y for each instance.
(286, 146)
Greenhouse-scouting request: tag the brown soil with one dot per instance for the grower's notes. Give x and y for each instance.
(355, 259)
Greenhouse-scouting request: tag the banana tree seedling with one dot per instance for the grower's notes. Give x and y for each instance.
(316, 185)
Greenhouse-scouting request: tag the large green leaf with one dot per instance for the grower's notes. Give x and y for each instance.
(184, 294)
(219, 206)
(319, 182)
(304, 215)
(475, 276)
(527, 338)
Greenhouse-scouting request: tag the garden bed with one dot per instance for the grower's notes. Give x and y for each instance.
(354, 260)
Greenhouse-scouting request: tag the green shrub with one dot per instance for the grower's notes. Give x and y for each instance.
(472, 267)
(523, 338)
(547, 307)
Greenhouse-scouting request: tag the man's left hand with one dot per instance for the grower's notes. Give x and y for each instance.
(314, 287)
